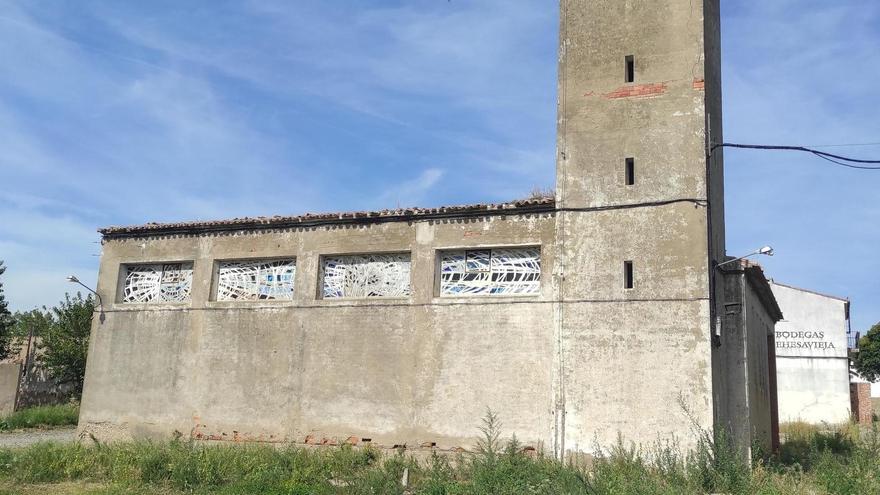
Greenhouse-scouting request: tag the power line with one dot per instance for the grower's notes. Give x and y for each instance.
(836, 159)
(846, 145)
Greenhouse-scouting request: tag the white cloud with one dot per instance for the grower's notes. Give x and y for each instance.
(411, 192)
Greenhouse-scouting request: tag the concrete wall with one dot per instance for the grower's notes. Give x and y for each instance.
(759, 334)
(655, 336)
(422, 369)
(9, 374)
(746, 334)
(811, 357)
(37, 387)
(815, 390)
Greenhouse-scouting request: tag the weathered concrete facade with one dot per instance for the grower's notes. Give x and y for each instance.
(414, 370)
(668, 223)
(618, 340)
(812, 361)
(9, 376)
(750, 316)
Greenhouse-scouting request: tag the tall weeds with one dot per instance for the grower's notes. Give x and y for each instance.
(816, 462)
(41, 417)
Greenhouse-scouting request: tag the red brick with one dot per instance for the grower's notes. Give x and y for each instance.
(638, 90)
(860, 399)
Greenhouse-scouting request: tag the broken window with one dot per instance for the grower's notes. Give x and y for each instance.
(502, 271)
(366, 275)
(255, 280)
(168, 282)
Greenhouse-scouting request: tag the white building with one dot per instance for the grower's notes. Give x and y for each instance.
(812, 365)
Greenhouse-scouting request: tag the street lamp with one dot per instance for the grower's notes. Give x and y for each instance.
(766, 251)
(101, 317)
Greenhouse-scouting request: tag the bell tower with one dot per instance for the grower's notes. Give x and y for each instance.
(641, 218)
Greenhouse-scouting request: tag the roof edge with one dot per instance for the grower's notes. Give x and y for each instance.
(541, 205)
(756, 278)
(817, 293)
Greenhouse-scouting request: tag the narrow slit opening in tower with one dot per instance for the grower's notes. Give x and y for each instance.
(630, 69)
(627, 274)
(630, 171)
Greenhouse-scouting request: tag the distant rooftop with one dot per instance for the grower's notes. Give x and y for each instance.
(525, 206)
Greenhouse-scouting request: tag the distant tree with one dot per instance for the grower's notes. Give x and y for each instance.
(35, 322)
(6, 320)
(867, 361)
(65, 341)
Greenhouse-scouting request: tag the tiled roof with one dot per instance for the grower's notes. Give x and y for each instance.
(312, 219)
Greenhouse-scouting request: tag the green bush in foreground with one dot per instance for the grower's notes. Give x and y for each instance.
(41, 416)
(824, 463)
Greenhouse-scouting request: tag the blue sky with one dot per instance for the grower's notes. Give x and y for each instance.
(125, 112)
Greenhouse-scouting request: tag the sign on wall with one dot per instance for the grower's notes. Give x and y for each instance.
(803, 339)
(813, 325)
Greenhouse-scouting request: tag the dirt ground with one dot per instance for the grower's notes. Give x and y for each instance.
(24, 438)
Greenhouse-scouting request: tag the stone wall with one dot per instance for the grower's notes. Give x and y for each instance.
(37, 387)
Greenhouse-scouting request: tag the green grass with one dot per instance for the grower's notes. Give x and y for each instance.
(41, 417)
(816, 462)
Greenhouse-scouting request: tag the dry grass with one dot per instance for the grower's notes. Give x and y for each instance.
(813, 461)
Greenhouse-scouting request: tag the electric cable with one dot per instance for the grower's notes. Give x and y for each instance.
(856, 163)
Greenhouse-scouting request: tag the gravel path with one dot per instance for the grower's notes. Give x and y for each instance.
(24, 438)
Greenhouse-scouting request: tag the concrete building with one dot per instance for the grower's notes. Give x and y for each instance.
(812, 361)
(750, 316)
(576, 318)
